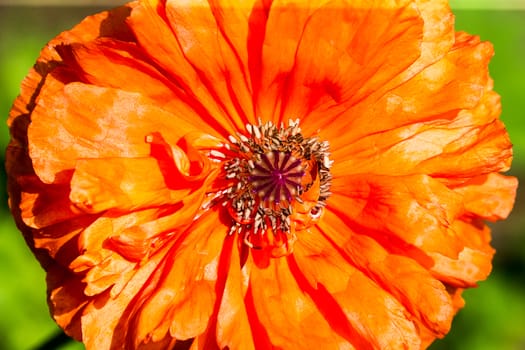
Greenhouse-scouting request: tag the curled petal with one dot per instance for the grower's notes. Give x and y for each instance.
(121, 184)
(118, 130)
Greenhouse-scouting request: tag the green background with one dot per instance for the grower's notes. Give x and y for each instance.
(494, 316)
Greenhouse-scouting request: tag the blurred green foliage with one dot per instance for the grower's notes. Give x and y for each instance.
(494, 318)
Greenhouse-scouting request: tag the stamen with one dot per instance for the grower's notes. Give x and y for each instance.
(271, 173)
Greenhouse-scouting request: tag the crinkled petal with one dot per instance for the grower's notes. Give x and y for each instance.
(410, 283)
(490, 196)
(182, 301)
(416, 209)
(438, 38)
(215, 59)
(474, 262)
(105, 319)
(433, 96)
(275, 288)
(358, 307)
(367, 44)
(131, 70)
(94, 122)
(151, 27)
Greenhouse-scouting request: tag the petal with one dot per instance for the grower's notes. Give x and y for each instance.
(182, 301)
(410, 283)
(111, 247)
(433, 96)
(150, 26)
(374, 319)
(104, 320)
(65, 298)
(130, 70)
(367, 44)
(60, 240)
(476, 151)
(103, 265)
(490, 197)
(106, 23)
(126, 184)
(416, 209)
(439, 150)
(42, 205)
(233, 327)
(286, 312)
(215, 59)
(283, 29)
(473, 263)
(438, 37)
(123, 120)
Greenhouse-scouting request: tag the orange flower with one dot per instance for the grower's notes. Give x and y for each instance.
(260, 175)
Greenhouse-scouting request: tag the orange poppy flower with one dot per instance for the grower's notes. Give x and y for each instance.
(261, 174)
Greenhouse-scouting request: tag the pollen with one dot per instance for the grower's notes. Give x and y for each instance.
(275, 181)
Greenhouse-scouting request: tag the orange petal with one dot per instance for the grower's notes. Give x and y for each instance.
(119, 129)
(131, 70)
(226, 76)
(124, 184)
(282, 31)
(348, 298)
(93, 239)
(367, 44)
(183, 300)
(105, 319)
(150, 26)
(136, 242)
(112, 247)
(422, 148)
(60, 240)
(438, 38)
(42, 205)
(433, 96)
(89, 29)
(470, 267)
(66, 299)
(411, 284)
(490, 197)
(416, 209)
(286, 312)
(476, 151)
(233, 327)
(112, 271)
(474, 262)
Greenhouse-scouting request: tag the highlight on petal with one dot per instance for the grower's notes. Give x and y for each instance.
(260, 174)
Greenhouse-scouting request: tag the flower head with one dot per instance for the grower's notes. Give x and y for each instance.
(260, 174)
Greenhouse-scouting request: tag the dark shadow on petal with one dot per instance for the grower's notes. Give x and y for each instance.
(329, 308)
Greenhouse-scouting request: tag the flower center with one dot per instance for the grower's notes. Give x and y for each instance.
(276, 176)
(275, 182)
